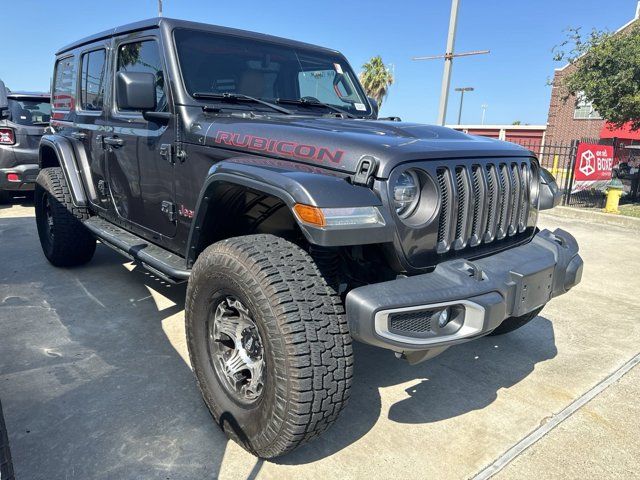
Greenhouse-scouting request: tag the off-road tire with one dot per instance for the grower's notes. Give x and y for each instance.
(514, 323)
(307, 346)
(6, 467)
(71, 243)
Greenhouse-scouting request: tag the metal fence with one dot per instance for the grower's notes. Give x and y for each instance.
(560, 160)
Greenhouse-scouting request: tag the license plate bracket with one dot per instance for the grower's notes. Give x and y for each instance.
(532, 290)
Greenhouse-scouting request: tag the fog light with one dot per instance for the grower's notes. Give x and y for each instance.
(13, 177)
(443, 317)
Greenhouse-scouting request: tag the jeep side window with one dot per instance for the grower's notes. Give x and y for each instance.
(144, 56)
(64, 85)
(92, 80)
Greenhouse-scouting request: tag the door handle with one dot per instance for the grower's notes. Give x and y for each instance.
(79, 135)
(114, 142)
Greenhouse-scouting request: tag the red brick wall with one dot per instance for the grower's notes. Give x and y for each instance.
(561, 126)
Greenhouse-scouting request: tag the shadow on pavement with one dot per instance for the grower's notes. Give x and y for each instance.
(91, 385)
(24, 200)
(94, 388)
(462, 379)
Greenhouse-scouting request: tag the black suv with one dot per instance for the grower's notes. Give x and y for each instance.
(255, 168)
(23, 119)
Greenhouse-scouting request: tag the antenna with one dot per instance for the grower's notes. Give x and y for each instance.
(159, 8)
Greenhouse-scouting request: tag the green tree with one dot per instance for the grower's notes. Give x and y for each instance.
(606, 73)
(376, 79)
(516, 122)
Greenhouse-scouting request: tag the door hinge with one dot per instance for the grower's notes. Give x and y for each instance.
(171, 153)
(365, 171)
(169, 209)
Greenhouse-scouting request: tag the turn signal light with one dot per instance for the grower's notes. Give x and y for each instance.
(309, 214)
(7, 137)
(342, 217)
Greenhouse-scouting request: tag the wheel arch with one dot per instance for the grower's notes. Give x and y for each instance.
(279, 186)
(57, 151)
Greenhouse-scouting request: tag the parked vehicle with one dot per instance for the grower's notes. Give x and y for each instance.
(23, 119)
(255, 168)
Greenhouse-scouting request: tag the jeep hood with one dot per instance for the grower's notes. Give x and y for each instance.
(339, 144)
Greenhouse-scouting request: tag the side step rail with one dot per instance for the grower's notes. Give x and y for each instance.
(159, 261)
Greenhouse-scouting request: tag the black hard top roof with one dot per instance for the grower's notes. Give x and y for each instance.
(173, 23)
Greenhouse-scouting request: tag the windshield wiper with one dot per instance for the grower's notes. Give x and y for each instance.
(239, 97)
(314, 103)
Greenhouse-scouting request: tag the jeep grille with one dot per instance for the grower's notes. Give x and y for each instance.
(482, 203)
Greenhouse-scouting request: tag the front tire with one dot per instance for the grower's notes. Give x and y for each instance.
(65, 240)
(6, 467)
(268, 341)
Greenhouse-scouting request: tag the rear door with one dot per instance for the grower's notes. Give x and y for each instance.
(141, 181)
(91, 118)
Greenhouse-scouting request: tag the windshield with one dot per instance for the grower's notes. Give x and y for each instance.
(218, 64)
(29, 112)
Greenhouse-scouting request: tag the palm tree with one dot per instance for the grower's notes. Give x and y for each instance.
(376, 79)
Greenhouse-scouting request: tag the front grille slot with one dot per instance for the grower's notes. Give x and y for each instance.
(411, 323)
(444, 220)
(482, 203)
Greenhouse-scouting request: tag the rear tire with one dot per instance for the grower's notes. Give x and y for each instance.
(297, 321)
(513, 323)
(65, 240)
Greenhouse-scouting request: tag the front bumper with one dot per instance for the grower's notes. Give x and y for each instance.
(27, 175)
(483, 293)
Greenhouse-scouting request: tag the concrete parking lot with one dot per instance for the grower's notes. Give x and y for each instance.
(96, 384)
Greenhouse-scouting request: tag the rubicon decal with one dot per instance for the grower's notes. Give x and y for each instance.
(280, 147)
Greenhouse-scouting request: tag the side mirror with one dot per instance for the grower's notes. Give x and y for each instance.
(374, 106)
(550, 194)
(4, 101)
(136, 91)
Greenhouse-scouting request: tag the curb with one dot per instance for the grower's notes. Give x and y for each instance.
(592, 216)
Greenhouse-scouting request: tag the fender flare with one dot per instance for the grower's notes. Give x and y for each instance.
(292, 187)
(67, 158)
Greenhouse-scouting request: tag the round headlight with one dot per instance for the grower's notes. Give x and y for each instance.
(406, 193)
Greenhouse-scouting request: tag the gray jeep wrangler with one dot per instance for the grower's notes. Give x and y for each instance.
(255, 169)
(23, 119)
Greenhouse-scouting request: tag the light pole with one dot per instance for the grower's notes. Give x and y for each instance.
(484, 107)
(462, 90)
(448, 56)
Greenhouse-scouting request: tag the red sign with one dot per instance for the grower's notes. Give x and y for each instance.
(593, 162)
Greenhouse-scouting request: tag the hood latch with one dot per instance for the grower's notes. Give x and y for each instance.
(365, 171)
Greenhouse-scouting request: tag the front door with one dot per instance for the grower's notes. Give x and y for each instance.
(141, 181)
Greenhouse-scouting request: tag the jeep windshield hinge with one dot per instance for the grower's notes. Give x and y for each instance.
(172, 152)
(365, 171)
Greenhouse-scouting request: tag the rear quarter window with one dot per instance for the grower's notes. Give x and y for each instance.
(64, 85)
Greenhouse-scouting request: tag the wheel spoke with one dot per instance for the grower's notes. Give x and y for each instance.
(237, 350)
(235, 363)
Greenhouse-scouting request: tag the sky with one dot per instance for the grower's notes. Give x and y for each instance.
(511, 80)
